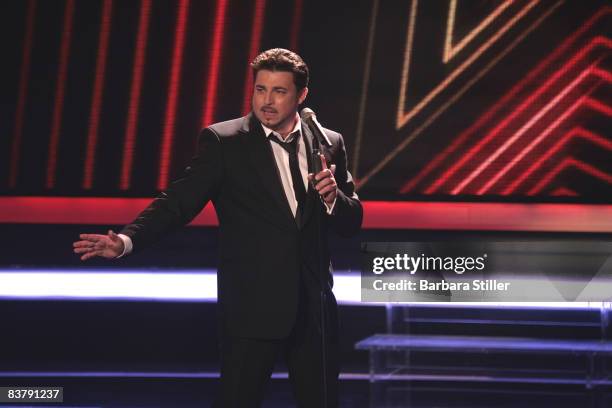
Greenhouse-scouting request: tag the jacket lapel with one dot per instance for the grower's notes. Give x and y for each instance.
(262, 159)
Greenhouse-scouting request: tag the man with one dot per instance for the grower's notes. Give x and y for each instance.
(274, 275)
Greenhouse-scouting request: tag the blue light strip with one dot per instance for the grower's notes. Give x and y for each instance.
(146, 374)
(284, 375)
(132, 285)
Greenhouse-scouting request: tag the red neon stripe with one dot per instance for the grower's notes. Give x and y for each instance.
(593, 171)
(296, 22)
(575, 132)
(135, 92)
(564, 191)
(537, 140)
(599, 106)
(569, 162)
(215, 63)
(60, 89)
(98, 90)
(589, 102)
(468, 157)
(458, 141)
(521, 132)
(554, 125)
(605, 75)
(377, 214)
(23, 93)
(173, 90)
(495, 108)
(256, 31)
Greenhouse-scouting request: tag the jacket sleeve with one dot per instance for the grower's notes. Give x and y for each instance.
(347, 215)
(184, 198)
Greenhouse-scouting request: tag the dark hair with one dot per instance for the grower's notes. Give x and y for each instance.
(280, 59)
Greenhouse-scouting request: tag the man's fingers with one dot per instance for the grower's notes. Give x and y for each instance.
(323, 174)
(92, 253)
(82, 244)
(333, 168)
(88, 255)
(325, 182)
(326, 185)
(92, 245)
(323, 162)
(327, 190)
(91, 237)
(329, 196)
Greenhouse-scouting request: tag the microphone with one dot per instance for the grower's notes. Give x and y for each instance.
(310, 118)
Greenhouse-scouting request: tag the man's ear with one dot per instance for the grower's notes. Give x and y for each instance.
(302, 96)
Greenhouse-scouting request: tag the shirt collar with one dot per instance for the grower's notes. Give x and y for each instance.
(296, 128)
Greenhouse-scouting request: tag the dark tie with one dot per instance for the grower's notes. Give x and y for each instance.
(294, 167)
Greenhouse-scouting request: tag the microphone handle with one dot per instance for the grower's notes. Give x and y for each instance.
(317, 167)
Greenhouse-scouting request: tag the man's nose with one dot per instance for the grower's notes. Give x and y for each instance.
(269, 99)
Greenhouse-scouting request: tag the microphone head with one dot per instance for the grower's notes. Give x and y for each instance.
(310, 118)
(307, 113)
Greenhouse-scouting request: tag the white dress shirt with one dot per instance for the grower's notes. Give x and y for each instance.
(282, 161)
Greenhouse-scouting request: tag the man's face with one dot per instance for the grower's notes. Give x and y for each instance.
(276, 100)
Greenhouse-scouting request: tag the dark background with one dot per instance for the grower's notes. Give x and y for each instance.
(504, 64)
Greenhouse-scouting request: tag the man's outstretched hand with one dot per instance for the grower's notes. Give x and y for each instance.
(106, 246)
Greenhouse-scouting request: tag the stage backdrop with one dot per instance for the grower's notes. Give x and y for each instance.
(437, 99)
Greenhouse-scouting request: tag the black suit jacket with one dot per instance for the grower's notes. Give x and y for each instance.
(262, 249)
